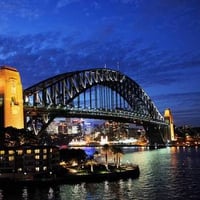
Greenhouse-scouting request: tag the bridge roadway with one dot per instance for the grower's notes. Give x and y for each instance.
(115, 115)
(95, 93)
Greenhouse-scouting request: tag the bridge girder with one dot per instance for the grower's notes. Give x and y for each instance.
(55, 95)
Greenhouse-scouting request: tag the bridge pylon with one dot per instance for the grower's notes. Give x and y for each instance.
(155, 134)
(11, 98)
(169, 120)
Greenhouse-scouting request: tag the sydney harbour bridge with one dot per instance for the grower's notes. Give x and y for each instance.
(99, 93)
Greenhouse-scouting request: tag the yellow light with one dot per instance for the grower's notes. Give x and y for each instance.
(19, 152)
(169, 119)
(11, 158)
(2, 152)
(63, 163)
(11, 98)
(37, 150)
(28, 151)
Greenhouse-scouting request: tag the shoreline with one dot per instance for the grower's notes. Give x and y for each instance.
(70, 178)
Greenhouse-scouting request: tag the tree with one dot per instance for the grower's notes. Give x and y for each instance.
(91, 162)
(72, 154)
(106, 148)
(117, 151)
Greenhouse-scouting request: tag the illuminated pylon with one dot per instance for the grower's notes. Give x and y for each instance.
(169, 120)
(11, 98)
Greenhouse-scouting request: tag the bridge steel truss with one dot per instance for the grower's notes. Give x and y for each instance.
(95, 93)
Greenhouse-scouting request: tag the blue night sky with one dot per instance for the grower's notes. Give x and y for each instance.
(155, 42)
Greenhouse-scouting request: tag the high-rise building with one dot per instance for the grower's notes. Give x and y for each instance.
(11, 98)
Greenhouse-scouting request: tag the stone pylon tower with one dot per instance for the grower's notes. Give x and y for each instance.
(11, 98)
(169, 120)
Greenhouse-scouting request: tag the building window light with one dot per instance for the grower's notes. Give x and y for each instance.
(19, 152)
(2, 152)
(19, 169)
(37, 150)
(44, 157)
(44, 150)
(11, 158)
(45, 168)
(28, 151)
(37, 157)
(11, 152)
(37, 169)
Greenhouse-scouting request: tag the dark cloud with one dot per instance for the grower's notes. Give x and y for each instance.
(156, 43)
(186, 106)
(50, 50)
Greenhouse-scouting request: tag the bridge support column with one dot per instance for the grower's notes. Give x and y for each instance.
(11, 98)
(155, 134)
(170, 129)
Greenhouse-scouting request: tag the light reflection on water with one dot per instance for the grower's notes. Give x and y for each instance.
(170, 173)
(1, 194)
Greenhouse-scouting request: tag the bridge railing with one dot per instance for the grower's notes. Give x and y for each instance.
(96, 113)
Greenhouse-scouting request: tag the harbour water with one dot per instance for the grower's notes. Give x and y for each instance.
(168, 173)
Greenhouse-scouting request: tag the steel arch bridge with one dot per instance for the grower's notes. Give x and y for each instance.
(94, 93)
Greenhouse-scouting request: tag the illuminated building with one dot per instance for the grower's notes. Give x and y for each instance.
(22, 162)
(62, 127)
(169, 120)
(11, 98)
(27, 162)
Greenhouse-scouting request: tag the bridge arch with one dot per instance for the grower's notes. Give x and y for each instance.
(61, 90)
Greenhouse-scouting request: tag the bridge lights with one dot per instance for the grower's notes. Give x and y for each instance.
(123, 78)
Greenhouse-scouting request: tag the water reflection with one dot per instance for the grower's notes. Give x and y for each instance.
(24, 193)
(78, 191)
(1, 194)
(51, 193)
(170, 173)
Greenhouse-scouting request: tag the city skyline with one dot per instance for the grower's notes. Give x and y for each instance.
(153, 42)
